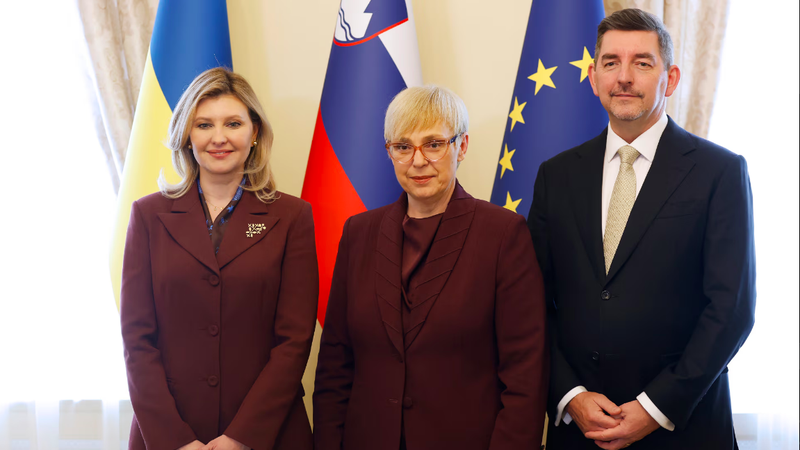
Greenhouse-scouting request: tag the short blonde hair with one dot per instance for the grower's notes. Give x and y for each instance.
(422, 107)
(211, 84)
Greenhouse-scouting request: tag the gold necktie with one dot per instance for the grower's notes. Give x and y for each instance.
(622, 198)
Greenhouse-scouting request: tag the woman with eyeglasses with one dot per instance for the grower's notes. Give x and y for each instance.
(434, 336)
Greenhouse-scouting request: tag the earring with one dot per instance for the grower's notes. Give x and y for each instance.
(190, 146)
(254, 143)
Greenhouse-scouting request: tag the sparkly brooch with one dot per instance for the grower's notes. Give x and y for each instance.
(254, 228)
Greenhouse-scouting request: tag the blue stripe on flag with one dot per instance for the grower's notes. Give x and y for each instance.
(360, 83)
(189, 37)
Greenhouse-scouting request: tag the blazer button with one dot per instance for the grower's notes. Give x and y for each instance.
(595, 356)
(213, 280)
(605, 295)
(407, 402)
(213, 330)
(213, 381)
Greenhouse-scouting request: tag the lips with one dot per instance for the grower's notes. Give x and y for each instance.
(422, 179)
(219, 154)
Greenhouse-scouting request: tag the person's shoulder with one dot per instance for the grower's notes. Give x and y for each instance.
(287, 204)
(703, 151)
(367, 219)
(597, 143)
(154, 203)
(495, 214)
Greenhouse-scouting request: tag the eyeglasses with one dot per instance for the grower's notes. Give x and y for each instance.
(403, 152)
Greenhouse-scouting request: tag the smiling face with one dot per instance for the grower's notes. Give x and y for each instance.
(221, 136)
(429, 185)
(631, 80)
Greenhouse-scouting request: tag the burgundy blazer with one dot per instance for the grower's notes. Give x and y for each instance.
(218, 344)
(470, 374)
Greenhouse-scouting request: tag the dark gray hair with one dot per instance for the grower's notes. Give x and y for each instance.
(633, 19)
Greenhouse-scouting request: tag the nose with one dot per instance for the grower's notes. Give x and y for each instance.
(219, 137)
(419, 159)
(625, 75)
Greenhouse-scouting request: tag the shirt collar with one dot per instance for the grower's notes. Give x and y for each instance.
(645, 144)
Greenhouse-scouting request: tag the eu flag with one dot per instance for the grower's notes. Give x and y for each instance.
(553, 108)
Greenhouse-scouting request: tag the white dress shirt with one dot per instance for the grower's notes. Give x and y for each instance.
(646, 145)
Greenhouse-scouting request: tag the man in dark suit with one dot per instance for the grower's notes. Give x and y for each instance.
(645, 239)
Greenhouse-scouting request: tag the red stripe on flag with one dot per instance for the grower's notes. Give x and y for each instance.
(361, 41)
(334, 199)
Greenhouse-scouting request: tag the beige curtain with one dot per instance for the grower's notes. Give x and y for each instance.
(118, 37)
(697, 28)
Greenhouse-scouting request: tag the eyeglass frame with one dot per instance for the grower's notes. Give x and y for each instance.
(419, 148)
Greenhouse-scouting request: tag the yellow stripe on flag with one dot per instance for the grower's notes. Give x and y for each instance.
(147, 155)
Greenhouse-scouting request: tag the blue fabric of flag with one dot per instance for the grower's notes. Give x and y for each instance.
(360, 83)
(555, 118)
(189, 37)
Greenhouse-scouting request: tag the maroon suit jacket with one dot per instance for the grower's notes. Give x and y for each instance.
(471, 371)
(217, 344)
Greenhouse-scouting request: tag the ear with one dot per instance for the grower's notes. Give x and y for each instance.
(462, 149)
(255, 133)
(673, 77)
(592, 74)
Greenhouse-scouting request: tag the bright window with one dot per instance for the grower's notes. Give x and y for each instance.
(756, 115)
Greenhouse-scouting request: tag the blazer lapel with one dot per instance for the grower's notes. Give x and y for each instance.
(249, 224)
(186, 223)
(389, 254)
(442, 257)
(668, 170)
(586, 183)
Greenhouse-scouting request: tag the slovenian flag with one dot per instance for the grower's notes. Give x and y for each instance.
(189, 37)
(553, 108)
(373, 57)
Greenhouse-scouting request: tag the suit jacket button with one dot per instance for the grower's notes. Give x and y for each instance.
(213, 381)
(407, 402)
(595, 356)
(605, 295)
(213, 330)
(213, 280)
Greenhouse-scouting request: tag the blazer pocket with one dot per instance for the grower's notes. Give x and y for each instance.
(681, 208)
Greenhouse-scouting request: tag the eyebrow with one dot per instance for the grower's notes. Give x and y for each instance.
(428, 138)
(608, 56)
(235, 116)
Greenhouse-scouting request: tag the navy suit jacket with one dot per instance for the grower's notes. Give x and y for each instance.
(678, 300)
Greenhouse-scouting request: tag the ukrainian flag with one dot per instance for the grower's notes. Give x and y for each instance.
(189, 37)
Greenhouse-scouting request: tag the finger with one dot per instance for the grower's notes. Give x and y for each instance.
(612, 445)
(609, 434)
(607, 405)
(601, 420)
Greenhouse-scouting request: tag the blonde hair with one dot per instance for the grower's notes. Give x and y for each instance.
(211, 84)
(422, 107)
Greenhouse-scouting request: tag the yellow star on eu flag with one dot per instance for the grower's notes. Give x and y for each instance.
(542, 77)
(505, 161)
(583, 64)
(511, 204)
(516, 114)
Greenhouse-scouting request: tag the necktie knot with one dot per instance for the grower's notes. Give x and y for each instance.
(627, 154)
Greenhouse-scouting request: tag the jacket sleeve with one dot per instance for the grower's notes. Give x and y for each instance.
(562, 377)
(335, 366)
(264, 410)
(729, 284)
(157, 415)
(521, 342)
